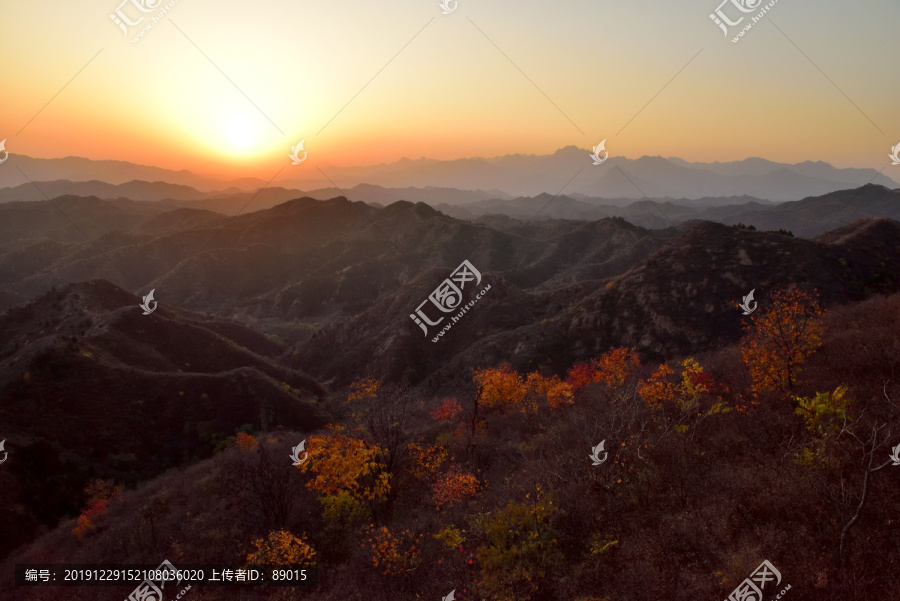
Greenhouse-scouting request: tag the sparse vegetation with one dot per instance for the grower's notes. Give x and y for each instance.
(505, 520)
(438, 467)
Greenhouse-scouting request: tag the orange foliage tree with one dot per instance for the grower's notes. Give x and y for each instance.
(612, 368)
(505, 388)
(427, 459)
(363, 389)
(89, 515)
(500, 387)
(245, 442)
(344, 465)
(556, 392)
(447, 410)
(392, 553)
(658, 388)
(613, 371)
(281, 548)
(684, 393)
(780, 337)
(454, 486)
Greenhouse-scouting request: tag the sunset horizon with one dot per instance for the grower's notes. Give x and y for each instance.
(444, 87)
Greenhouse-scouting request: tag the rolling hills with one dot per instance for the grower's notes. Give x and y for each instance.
(93, 388)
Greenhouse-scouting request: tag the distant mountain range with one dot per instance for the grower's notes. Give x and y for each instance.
(232, 201)
(806, 218)
(309, 262)
(568, 170)
(78, 169)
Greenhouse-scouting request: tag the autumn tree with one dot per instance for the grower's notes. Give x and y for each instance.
(245, 441)
(450, 410)
(455, 486)
(447, 410)
(504, 388)
(522, 552)
(281, 548)
(612, 371)
(688, 396)
(393, 554)
(500, 387)
(100, 494)
(658, 389)
(366, 388)
(427, 459)
(347, 471)
(779, 339)
(552, 390)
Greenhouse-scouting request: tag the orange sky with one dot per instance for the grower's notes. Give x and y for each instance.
(242, 84)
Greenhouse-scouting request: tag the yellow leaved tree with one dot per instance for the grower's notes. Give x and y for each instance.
(281, 548)
(346, 471)
(780, 338)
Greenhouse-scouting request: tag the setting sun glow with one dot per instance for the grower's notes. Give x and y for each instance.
(239, 134)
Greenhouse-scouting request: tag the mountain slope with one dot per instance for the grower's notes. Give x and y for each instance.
(681, 299)
(308, 259)
(90, 387)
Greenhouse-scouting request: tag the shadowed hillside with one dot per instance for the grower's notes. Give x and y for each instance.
(93, 388)
(682, 299)
(702, 482)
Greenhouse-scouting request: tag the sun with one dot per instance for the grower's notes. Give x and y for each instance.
(240, 135)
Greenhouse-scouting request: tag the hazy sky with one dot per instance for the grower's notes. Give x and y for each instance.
(450, 92)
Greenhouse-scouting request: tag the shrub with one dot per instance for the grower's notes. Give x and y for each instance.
(427, 460)
(281, 548)
(454, 486)
(393, 554)
(245, 442)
